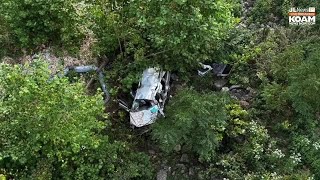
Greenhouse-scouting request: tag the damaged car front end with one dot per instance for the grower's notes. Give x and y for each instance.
(149, 98)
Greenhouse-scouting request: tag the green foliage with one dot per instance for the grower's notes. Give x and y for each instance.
(5, 41)
(50, 129)
(275, 96)
(261, 10)
(309, 148)
(248, 150)
(289, 90)
(27, 91)
(238, 120)
(187, 30)
(174, 35)
(42, 22)
(304, 85)
(276, 11)
(196, 121)
(252, 52)
(108, 161)
(295, 77)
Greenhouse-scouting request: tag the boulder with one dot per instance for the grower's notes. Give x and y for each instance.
(162, 175)
(184, 158)
(177, 148)
(220, 83)
(244, 104)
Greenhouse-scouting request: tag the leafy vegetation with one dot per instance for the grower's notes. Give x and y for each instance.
(33, 24)
(196, 122)
(51, 127)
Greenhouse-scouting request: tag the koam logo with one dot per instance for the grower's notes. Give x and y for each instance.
(299, 16)
(302, 19)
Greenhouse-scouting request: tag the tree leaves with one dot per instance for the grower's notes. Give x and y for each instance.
(195, 120)
(56, 123)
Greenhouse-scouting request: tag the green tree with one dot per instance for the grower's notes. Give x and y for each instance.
(304, 84)
(5, 40)
(51, 129)
(248, 150)
(295, 79)
(174, 35)
(35, 23)
(196, 121)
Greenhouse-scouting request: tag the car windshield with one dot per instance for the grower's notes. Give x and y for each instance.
(141, 104)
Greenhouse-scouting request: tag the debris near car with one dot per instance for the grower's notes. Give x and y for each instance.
(149, 98)
(53, 66)
(218, 69)
(87, 69)
(91, 68)
(220, 72)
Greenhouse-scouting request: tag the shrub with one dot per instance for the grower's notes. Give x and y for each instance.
(51, 129)
(42, 22)
(5, 40)
(304, 85)
(194, 120)
(142, 34)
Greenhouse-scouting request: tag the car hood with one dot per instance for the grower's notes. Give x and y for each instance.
(143, 117)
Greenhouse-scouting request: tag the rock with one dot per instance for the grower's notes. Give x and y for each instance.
(174, 77)
(184, 158)
(244, 104)
(235, 87)
(177, 148)
(225, 89)
(240, 93)
(162, 175)
(164, 162)
(220, 83)
(252, 92)
(151, 152)
(246, 97)
(182, 168)
(191, 172)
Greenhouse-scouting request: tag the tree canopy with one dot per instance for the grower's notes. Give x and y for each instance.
(50, 128)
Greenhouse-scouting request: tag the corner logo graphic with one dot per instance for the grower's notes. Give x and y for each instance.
(300, 16)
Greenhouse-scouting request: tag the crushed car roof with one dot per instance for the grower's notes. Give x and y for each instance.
(149, 84)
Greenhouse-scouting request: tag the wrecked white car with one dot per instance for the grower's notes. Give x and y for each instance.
(149, 98)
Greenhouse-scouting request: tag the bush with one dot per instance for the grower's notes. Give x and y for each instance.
(5, 40)
(249, 150)
(142, 34)
(51, 129)
(304, 85)
(42, 22)
(194, 120)
(292, 72)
